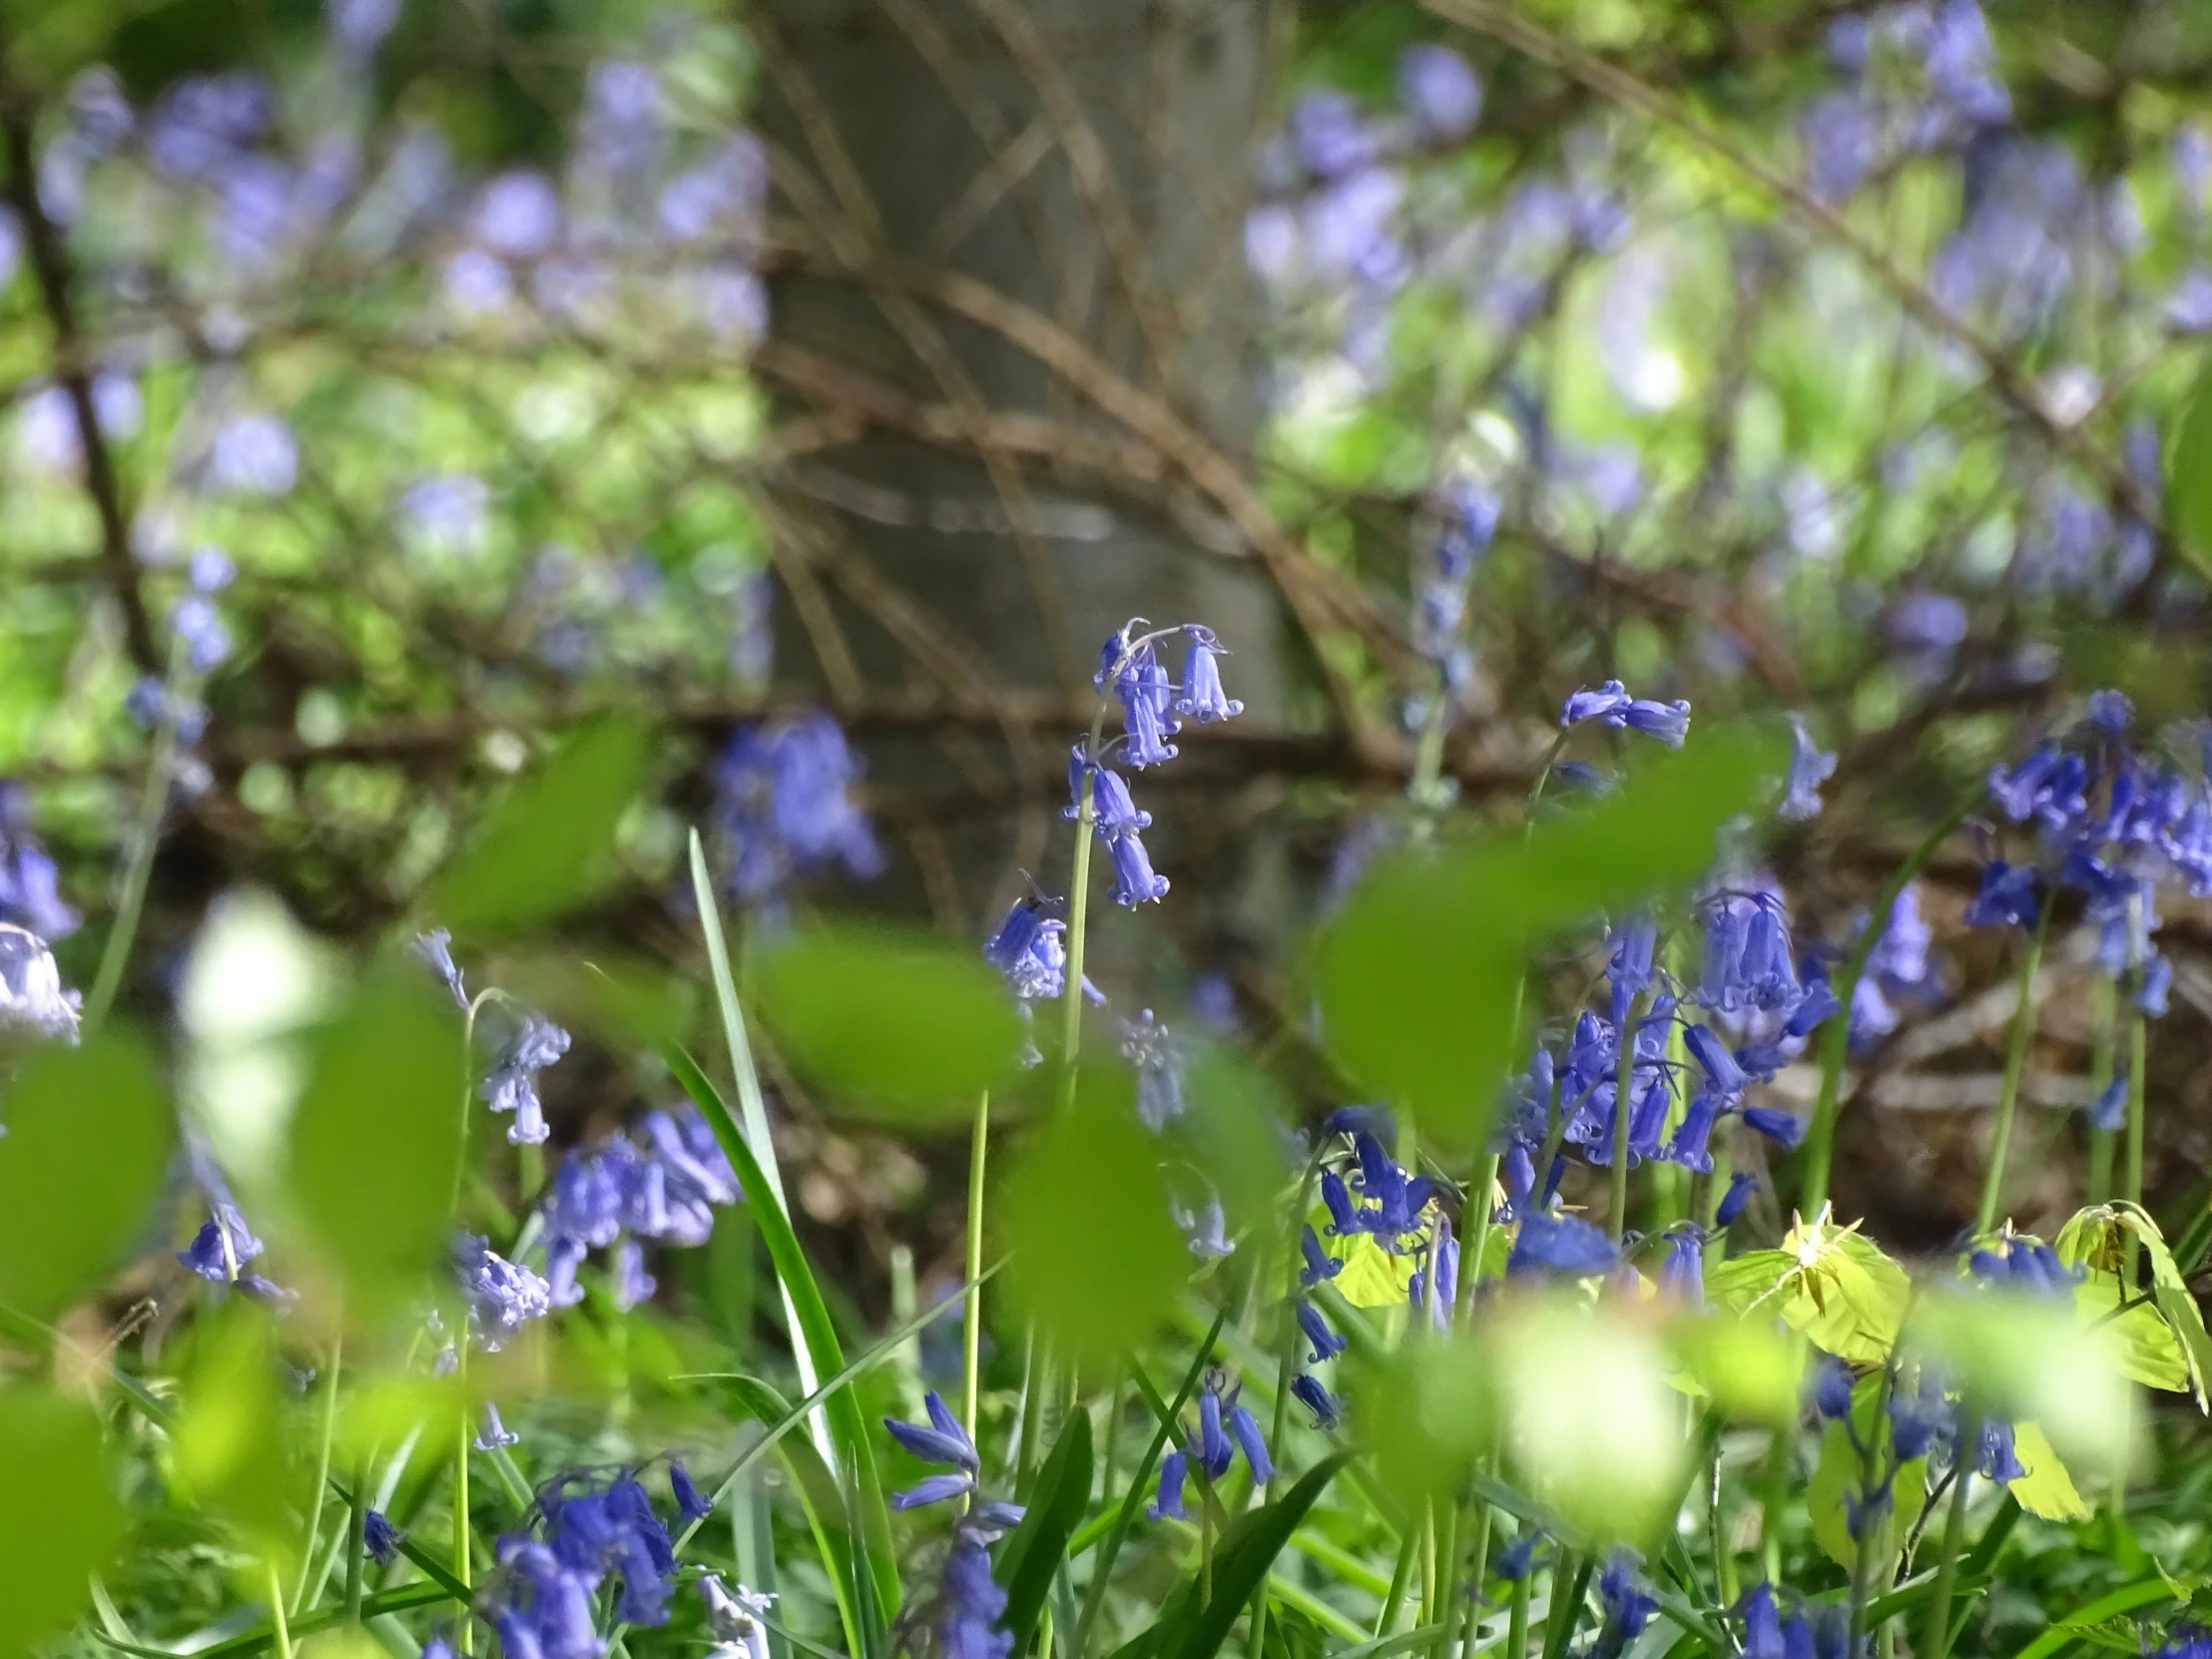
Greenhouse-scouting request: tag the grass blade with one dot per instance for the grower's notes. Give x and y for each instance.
(1041, 1544)
(1248, 1550)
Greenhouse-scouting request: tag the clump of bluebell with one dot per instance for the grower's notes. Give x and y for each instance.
(620, 1193)
(585, 1539)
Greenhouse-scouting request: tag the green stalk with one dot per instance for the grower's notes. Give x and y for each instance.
(971, 1317)
(1394, 1599)
(277, 1612)
(1516, 1621)
(1819, 1132)
(300, 1591)
(464, 1637)
(2137, 1054)
(356, 1548)
(1715, 1526)
(1936, 1633)
(1872, 1540)
(146, 834)
(2016, 1059)
(1571, 1570)
(1624, 1077)
(2101, 1063)
(1071, 993)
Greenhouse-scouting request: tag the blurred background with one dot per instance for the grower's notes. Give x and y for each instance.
(390, 385)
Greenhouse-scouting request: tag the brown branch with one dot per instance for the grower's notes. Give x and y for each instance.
(72, 366)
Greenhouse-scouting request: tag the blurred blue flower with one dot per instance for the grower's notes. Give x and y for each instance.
(513, 1086)
(783, 805)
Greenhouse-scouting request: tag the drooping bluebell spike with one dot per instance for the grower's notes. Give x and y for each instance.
(1327, 1343)
(1169, 1502)
(1214, 1450)
(1246, 1427)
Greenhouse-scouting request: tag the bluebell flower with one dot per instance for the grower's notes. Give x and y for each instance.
(1439, 92)
(1153, 1054)
(1608, 703)
(379, 1538)
(495, 1433)
(199, 627)
(30, 884)
(1785, 1129)
(2025, 1265)
(690, 1504)
(436, 950)
(737, 1616)
(1327, 1343)
(1434, 1286)
(1628, 1606)
(2109, 1110)
(1714, 1059)
(1141, 685)
(1203, 699)
(633, 1286)
(1113, 811)
(2007, 897)
(502, 1295)
(1668, 721)
(1762, 1624)
(1995, 1457)
(1560, 1244)
(1810, 768)
(1828, 1387)
(1682, 1269)
(513, 1086)
(1690, 1145)
(1327, 1410)
(1517, 1558)
(222, 1246)
(1134, 880)
(1319, 1264)
(1354, 1120)
(1741, 1186)
(783, 805)
(1343, 1216)
(1168, 1503)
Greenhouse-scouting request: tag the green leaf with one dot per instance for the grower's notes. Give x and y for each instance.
(228, 1447)
(1427, 1412)
(2148, 1350)
(543, 848)
(824, 1507)
(63, 1524)
(1415, 976)
(2046, 1489)
(1096, 1259)
(1245, 1552)
(897, 1021)
(1831, 1284)
(1837, 1474)
(2097, 1238)
(876, 1582)
(376, 1141)
(88, 1136)
(2190, 474)
(1369, 1276)
(1039, 1545)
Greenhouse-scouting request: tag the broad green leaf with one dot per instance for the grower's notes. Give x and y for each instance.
(1747, 1369)
(824, 1509)
(1230, 1131)
(88, 1137)
(1839, 1474)
(1829, 1283)
(2046, 1489)
(1416, 975)
(228, 1445)
(543, 848)
(62, 1523)
(377, 1140)
(2190, 474)
(1241, 1562)
(1427, 1412)
(1039, 1544)
(902, 1022)
(1371, 1277)
(2097, 1238)
(1096, 1259)
(2150, 1351)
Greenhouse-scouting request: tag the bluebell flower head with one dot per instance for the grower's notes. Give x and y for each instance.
(943, 1440)
(1714, 1059)
(1995, 1458)
(2108, 1111)
(1113, 813)
(1439, 92)
(1134, 880)
(1327, 1343)
(1682, 1268)
(198, 627)
(1319, 1264)
(502, 1295)
(223, 1245)
(1628, 1606)
(785, 805)
(633, 1287)
(1741, 1186)
(379, 1538)
(1343, 1216)
(2109, 713)
(1392, 1203)
(495, 1433)
(1810, 768)
(1565, 1245)
(436, 950)
(1152, 1052)
(690, 1504)
(1203, 699)
(1668, 721)
(1327, 1410)
(2007, 897)
(1174, 1469)
(1354, 1120)
(1762, 1623)
(1434, 1286)
(1608, 703)
(513, 1086)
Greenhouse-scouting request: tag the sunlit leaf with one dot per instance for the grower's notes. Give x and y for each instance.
(1369, 1276)
(1427, 1412)
(1416, 975)
(2150, 1352)
(2046, 1489)
(1096, 1259)
(543, 848)
(88, 1136)
(2097, 1238)
(1829, 1283)
(229, 1447)
(63, 1522)
(1839, 1476)
(899, 1021)
(1745, 1367)
(377, 1140)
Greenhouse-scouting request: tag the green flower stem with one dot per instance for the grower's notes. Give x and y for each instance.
(1715, 1526)
(971, 1317)
(464, 1638)
(1935, 1634)
(1874, 1540)
(1402, 1572)
(1820, 1133)
(356, 1545)
(2137, 1053)
(2016, 1059)
(1574, 1571)
(1516, 1621)
(304, 1590)
(277, 1611)
(2102, 1058)
(145, 841)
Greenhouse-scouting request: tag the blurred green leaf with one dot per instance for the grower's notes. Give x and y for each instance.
(1231, 1130)
(2097, 1238)
(88, 1137)
(629, 1004)
(1839, 1474)
(2190, 472)
(376, 1139)
(897, 1021)
(1427, 1412)
(1096, 1261)
(1416, 974)
(2046, 1489)
(63, 1524)
(228, 1447)
(543, 848)
(1039, 1544)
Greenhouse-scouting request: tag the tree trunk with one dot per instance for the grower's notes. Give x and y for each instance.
(959, 521)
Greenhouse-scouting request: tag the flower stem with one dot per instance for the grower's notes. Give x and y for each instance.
(1071, 993)
(2102, 1060)
(971, 1320)
(1935, 1634)
(146, 834)
(356, 1546)
(307, 1556)
(1516, 1621)
(1572, 1571)
(2015, 1058)
(1874, 1535)
(1624, 1077)
(463, 1637)
(277, 1612)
